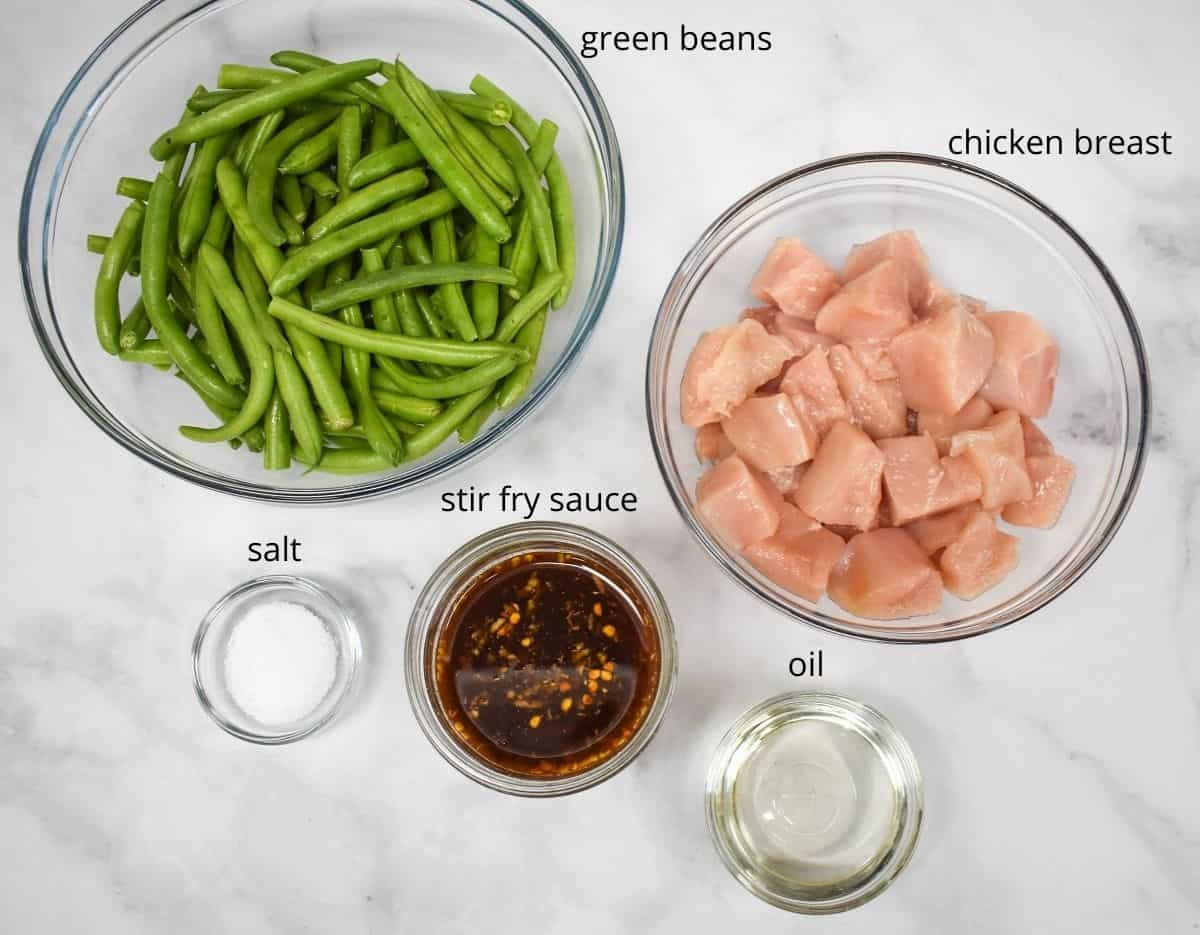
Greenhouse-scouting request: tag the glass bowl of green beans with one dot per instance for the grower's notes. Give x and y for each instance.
(305, 252)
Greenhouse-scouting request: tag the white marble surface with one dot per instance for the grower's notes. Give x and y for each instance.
(1062, 755)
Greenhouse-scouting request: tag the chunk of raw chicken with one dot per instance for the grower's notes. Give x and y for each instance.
(1026, 365)
(943, 360)
(1036, 442)
(1051, 476)
(786, 479)
(800, 333)
(798, 556)
(979, 557)
(973, 415)
(727, 366)
(875, 360)
(997, 453)
(901, 246)
(843, 485)
(939, 297)
(770, 432)
(872, 307)
(739, 506)
(934, 533)
(885, 575)
(711, 443)
(795, 279)
(876, 405)
(811, 384)
(919, 483)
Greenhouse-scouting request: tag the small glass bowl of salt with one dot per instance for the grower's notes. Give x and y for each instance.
(274, 659)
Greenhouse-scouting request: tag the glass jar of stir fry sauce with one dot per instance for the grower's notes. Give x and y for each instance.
(541, 658)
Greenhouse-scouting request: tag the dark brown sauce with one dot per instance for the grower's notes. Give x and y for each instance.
(548, 664)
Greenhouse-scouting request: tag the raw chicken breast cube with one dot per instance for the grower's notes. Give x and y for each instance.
(905, 249)
(786, 479)
(979, 557)
(813, 388)
(885, 575)
(1026, 365)
(934, 533)
(942, 428)
(1036, 442)
(727, 365)
(736, 503)
(877, 406)
(874, 358)
(997, 453)
(872, 307)
(943, 360)
(843, 485)
(769, 432)
(711, 443)
(800, 333)
(1051, 476)
(795, 279)
(939, 297)
(799, 556)
(919, 483)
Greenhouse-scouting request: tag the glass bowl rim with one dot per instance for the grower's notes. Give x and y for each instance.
(579, 83)
(785, 707)
(698, 253)
(451, 576)
(348, 638)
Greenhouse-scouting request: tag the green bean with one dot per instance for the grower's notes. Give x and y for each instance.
(292, 197)
(474, 422)
(129, 187)
(383, 130)
(212, 326)
(155, 235)
(466, 189)
(542, 147)
(515, 385)
(116, 258)
(304, 61)
(255, 138)
(251, 283)
(449, 387)
(97, 243)
(320, 184)
(485, 296)
(347, 461)
(485, 153)
(438, 116)
(196, 203)
(523, 259)
(319, 369)
(451, 353)
(536, 299)
(354, 237)
(219, 226)
(412, 408)
(251, 77)
(148, 352)
(258, 352)
(202, 101)
(293, 233)
(417, 248)
(258, 102)
(173, 163)
(349, 146)
(277, 452)
(367, 201)
(332, 298)
(561, 208)
(260, 182)
(488, 109)
(297, 398)
(254, 438)
(450, 294)
(383, 307)
(134, 328)
(382, 163)
(438, 430)
(181, 272)
(311, 154)
(412, 318)
(533, 197)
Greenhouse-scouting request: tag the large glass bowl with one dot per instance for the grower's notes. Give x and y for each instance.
(987, 237)
(133, 86)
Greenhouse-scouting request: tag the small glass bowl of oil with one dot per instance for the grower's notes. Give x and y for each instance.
(814, 802)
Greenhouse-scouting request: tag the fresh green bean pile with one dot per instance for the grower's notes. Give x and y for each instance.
(346, 272)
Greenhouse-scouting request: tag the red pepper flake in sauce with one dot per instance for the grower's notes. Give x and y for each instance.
(548, 664)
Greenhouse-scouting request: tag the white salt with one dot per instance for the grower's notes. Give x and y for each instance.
(280, 662)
